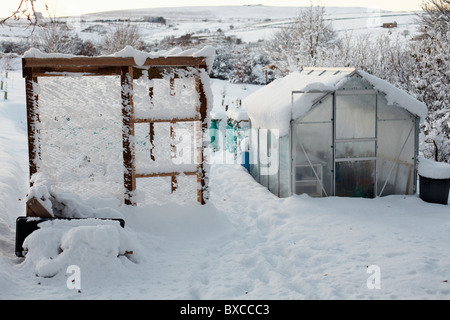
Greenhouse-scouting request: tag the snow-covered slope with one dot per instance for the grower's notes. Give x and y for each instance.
(249, 23)
(253, 23)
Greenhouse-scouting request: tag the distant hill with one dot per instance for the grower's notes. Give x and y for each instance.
(248, 23)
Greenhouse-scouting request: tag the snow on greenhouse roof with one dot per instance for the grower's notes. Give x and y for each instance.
(396, 96)
(275, 105)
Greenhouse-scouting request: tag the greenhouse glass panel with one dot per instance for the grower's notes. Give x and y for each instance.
(356, 82)
(396, 150)
(355, 116)
(312, 151)
(241, 135)
(355, 179)
(263, 158)
(285, 170)
(322, 111)
(355, 149)
(274, 156)
(254, 162)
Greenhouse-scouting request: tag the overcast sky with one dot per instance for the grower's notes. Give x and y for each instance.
(71, 7)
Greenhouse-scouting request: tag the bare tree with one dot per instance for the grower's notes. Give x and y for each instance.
(26, 10)
(55, 37)
(123, 35)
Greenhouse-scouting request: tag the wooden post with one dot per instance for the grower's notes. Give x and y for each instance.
(201, 177)
(33, 139)
(152, 128)
(172, 85)
(173, 183)
(173, 147)
(32, 120)
(152, 138)
(129, 177)
(173, 150)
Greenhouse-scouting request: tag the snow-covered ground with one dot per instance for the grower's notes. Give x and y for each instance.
(245, 243)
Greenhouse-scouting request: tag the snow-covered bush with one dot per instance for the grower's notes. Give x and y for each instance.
(436, 16)
(124, 34)
(431, 55)
(14, 47)
(55, 36)
(431, 83)
(222, 66)
(247, 67)
(241, 63)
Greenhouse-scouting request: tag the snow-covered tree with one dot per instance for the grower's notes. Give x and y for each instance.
(430, 77)
(302, 42)
(223, 64)
(431, 83)
(247, 66)
(436, 16)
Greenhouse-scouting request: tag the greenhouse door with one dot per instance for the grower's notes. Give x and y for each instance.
(355, 143)
(312, 151)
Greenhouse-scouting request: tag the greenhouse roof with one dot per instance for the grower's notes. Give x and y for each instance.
(275, 105)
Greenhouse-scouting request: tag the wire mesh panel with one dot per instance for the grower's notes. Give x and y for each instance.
(165, 147)
(159, 190)
(103, 125)
(167, 136)
(172, 95)
(80, 134)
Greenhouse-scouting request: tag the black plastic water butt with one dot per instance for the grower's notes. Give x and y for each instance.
(434, 190)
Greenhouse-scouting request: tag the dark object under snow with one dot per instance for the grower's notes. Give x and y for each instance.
(26, 225)
(246, 160)
(434, 190)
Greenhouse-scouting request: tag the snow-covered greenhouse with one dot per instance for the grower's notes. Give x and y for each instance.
(334, 132)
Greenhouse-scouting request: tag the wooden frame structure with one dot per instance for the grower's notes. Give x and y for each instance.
(126, 68)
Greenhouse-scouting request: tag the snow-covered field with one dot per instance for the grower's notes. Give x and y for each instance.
(244, 244)
(249, 23)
